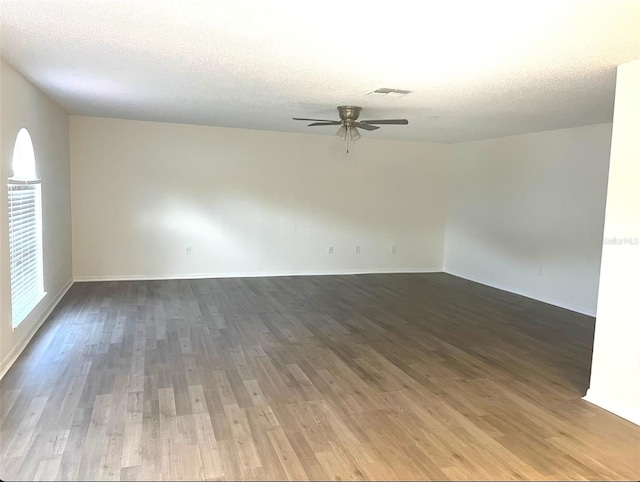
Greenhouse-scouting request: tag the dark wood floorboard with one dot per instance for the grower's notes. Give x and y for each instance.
(407, 376)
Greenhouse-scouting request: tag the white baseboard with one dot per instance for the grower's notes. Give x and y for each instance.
(250, 274)
(559, 304)
(13, 355)
(614, 406)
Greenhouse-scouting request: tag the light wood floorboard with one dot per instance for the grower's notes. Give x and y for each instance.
(407, 376)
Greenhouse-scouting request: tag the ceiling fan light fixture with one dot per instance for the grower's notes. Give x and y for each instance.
(342, 133)
(354, 134)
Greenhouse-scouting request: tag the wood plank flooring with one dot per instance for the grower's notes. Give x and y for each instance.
(408, 376)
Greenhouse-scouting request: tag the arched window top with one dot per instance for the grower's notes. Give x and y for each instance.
(24, 159)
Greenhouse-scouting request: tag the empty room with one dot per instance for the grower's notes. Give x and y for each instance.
(245, 240)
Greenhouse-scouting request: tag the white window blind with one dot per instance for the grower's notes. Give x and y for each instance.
(25, 247)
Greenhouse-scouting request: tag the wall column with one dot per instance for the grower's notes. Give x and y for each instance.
(615, 372)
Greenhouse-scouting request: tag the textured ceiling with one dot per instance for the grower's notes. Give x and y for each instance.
(486, 68)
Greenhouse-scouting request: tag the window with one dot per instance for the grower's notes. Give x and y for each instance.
(25, 230)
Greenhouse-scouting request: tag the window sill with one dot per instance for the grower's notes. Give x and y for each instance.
(22, 315)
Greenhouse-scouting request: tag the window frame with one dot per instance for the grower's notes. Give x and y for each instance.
(24, 191)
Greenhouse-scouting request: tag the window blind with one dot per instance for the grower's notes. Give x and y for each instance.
(25, 247)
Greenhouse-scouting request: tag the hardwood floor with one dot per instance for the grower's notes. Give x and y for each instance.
(416, 376)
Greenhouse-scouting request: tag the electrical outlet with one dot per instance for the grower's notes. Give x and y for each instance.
(540, 271)
(357, 249)
(330, 250)
(187, 251)
(393, 250)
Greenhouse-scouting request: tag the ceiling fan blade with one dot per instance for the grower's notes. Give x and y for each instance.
(366, 127)
(387, 121)
(315, 120)
(327, 123)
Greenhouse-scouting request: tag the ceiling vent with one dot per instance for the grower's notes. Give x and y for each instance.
(386, 92)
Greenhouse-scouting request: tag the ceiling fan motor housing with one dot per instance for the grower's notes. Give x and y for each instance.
(349, 113)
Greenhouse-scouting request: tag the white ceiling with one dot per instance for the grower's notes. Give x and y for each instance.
(486, 68)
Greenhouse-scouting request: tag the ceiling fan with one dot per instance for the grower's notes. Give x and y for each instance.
(349, 123)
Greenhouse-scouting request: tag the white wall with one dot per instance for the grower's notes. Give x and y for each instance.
(249, 202)
(615, 373)
(526, 214)
(23, 105)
